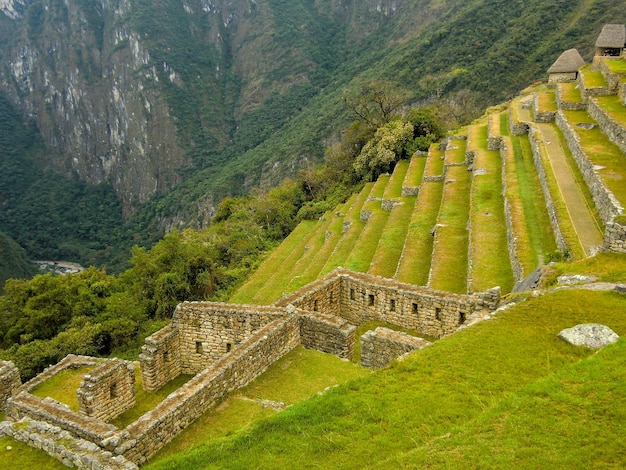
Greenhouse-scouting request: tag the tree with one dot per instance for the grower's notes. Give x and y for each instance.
(375, 103)
(380, 154)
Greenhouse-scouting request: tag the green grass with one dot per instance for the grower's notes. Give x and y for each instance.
(616, 66)
(434, 161)
(146, 401)
(450, 252)
(396, 180)
(569, 92)
(613, 106)
(456, 154)
(17, 455)
(565, 222)
(530, 216)
(62, 387)
(346, 243)
(363, 251)
(391, 242)
(298, 375)
(281, 255)
(489, 253)
(504, 123)
(601, 152)
(416, 171)
(473, 381)
(607, 267)
(414, 264)
(546, 101)
(592, 79)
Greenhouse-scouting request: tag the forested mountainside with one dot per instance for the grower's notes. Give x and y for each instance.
(14, 262)
(122, 119)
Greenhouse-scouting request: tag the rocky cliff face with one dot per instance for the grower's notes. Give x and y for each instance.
(131, 92)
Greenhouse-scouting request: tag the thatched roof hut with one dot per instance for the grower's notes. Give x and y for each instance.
(569, 61)
(612, 40)
(565, 68)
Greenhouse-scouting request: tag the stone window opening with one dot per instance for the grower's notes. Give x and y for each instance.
(113, 390)
(166, 356)
(352, 296)
(228, 347)
(330, 300)
(414, 308)
(370, 300)
(462, 318)
(438, 313)
(315, 305)
(392, 305)
(198, 347)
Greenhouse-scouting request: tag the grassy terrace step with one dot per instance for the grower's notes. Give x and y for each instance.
(449, 262)
(490, 263)
(569, 92)
(414, 264)
(592, 81)
(316, 256)
(387, 255)
(604, 154)
(363, 251)
(455, 153)
(612, 105)
(531, 223)
(284, 255)
(546, 101)
(434, 161)
(415, 172)
(565, 222)
(349, 238)
(279, 282)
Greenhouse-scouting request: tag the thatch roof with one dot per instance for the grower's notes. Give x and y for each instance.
(612, 36)
(569, 61)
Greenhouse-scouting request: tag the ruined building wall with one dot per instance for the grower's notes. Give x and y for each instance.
(160, 359)
(208, 330)
(9, 381)
(253, 356)
(108, 391)
(327, 333)
(381, 346)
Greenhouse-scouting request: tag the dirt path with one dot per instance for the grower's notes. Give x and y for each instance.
(585, 225)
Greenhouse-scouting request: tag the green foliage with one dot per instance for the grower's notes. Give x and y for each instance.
(13, 261)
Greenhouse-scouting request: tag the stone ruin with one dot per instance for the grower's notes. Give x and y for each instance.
(224, 347)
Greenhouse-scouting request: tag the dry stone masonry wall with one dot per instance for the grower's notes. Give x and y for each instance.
(160, 359)
(383, 345)
(9, 381)
(108, 391)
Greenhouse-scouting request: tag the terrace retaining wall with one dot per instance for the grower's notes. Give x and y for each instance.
(615, 131)
(9, 381)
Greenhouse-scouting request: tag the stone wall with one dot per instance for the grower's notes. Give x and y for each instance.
(9, 381)
(606, 203)
(381, 346)
(363, 298)
(506, 148)
(209, 330)
(108, 390)
(64, 447)
(615, 237)
(160, 359)
(536, 145)
(516, 126)
(249, 360)
(569, 105)
(541, 116)
(614, 130)
(588, 93)
(612, 79)
(327, 333)
(562, 77)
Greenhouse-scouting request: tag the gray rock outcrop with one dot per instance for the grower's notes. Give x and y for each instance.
(591, 335)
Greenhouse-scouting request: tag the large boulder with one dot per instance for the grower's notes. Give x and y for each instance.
(592, 335)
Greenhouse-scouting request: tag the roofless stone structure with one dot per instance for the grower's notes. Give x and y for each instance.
(225, 347)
